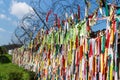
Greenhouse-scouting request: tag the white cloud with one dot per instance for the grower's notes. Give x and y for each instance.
(19, 9)
(2, 30)
(2, 16)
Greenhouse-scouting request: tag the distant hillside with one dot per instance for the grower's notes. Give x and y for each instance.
(5, 48)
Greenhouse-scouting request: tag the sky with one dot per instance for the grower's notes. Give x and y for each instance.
(11, 11)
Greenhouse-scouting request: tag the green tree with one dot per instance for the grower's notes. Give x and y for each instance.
(1, 51)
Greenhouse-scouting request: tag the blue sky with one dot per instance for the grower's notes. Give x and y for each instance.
(11, 11)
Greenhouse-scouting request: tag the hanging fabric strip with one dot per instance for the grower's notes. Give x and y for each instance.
(77, 42)
(106, 8)
(55, 19)
(111, 71)
(111, 36)
(48, 14)
(101, 63)
(58, 23)
(78, 13)
(116, 49)
(90, 49)
(81, 52)
(103, 44)
(100, 8)
(88, 26)
(77, 58)
(108, 39)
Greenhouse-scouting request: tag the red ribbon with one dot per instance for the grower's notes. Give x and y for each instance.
(90, 51)
(77, 42)
(81, 52)
(77, 58)
(78, 12)
(113, 22)
(58, 23)
(88, 26)
(48, 14)
(107, 40)
(49, 54)
(47, 32)
(63, 62)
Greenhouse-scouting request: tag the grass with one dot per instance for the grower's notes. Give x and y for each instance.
(9, 71)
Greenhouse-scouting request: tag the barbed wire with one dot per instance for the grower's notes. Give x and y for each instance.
(32, 22)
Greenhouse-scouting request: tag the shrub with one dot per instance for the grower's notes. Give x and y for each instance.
(15, 76)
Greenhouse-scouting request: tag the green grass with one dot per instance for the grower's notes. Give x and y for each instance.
(9, 71)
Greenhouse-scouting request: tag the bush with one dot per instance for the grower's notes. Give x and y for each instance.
(9, 71)
(4, 76)
(4, 59)
(15, 76)
(31, 74)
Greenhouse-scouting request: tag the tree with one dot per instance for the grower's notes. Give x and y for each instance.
(1, 51)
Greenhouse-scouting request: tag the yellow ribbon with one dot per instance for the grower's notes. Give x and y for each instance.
(111, 71)
(111, 36)
(101, 62)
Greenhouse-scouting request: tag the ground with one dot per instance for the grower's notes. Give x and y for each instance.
(9, 71)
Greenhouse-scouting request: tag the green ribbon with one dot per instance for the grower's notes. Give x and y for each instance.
(57, 38)
(57, 50)
(67, 36)
(118, 12)
(103, 44)
(106, 9)
(61, 38)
